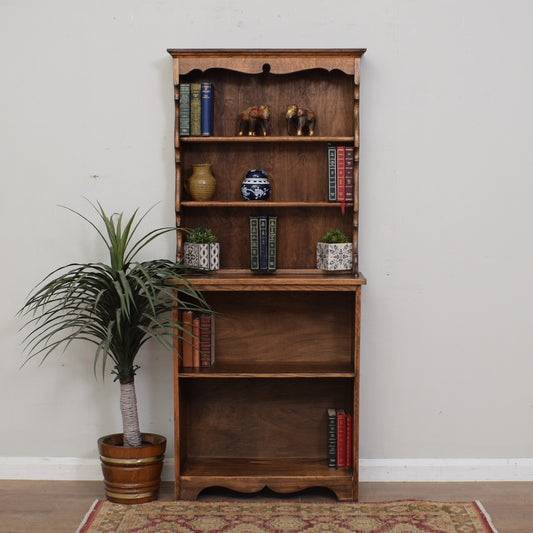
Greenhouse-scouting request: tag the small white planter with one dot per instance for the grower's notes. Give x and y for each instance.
(334, 256)
(202, 255)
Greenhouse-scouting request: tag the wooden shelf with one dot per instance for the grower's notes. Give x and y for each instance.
(251, 475)
(267, 139)
(284, 280)
(261, 467)
(266, 204)
(276, 370)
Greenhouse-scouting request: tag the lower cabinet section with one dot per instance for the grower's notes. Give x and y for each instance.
(258, 417)
(248, 433)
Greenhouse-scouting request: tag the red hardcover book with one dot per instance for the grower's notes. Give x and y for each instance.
(196, 342)
(186, 350)
(349, 178)
(207, 344)
(341, 438)
(349, 433)
(341, 175)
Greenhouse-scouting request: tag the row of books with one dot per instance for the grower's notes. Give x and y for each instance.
(340, 173)
(196, 109)
(263, 243)
(340, 427)
(198, 345)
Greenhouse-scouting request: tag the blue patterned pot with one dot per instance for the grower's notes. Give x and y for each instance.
(255, 185)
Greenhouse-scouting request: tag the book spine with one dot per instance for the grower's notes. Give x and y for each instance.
(207, 109)
(349, 433)
(332, 438)
(341, 439)
(185, 109)
(272, 243)
(186, 343)
(341, 174)
(254, 243)
(263, 244)
(196, 342)
(332, 174)
(206, 340)
(196, 109)
(349, 178)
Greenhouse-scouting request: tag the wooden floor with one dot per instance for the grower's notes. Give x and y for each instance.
(59, 506)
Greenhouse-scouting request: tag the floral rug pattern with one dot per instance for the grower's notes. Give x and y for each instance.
(287, 517)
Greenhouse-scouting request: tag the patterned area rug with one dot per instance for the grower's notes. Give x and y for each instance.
(241, 517)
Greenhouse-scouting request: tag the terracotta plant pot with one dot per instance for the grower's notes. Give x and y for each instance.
(132, 475)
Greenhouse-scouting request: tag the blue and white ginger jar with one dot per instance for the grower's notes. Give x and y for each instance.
(255, 185)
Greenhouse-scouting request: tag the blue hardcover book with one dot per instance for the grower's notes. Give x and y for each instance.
(263, 243)
(332, 173)
(207, 109)
(185, 109)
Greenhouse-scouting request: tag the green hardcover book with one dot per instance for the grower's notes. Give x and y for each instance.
(332, 438)
(185, 109)
(254, 243)
(272, 244)
(196, 109)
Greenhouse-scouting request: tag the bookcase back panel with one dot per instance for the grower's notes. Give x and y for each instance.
(284, 328)
(297, 232)
(283, 418)
(328, 94)
(294, 176)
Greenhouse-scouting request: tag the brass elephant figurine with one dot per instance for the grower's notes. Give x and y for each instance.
(255, 119)
(301, 120)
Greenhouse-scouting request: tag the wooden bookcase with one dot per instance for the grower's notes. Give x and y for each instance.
(287, 343)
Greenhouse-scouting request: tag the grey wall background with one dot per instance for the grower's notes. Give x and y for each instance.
(446, 186)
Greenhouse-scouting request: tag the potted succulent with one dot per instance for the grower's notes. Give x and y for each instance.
(334, 251)
(117, 306)
(201, 249)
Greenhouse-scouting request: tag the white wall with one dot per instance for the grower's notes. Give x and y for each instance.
(446, 185)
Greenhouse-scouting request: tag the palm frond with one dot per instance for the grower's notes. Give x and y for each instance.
(116, 306)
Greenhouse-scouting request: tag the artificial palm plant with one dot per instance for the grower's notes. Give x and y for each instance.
(116, 306)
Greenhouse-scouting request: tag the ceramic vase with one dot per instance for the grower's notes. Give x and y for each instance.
(201, 184)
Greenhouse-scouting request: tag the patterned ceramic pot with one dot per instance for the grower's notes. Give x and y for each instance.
(255, 185)
(202, 255)
(334, 256)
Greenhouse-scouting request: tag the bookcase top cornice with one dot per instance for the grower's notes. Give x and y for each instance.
(277, 61)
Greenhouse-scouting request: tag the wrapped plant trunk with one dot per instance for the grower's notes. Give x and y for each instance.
(130, 416)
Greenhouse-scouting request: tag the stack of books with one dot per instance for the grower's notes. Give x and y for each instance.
(340, 427)
(263, 243)
(196, 109)
(340, 174)
(198, 345)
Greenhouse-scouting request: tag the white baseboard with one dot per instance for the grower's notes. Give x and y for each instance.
(429, 470)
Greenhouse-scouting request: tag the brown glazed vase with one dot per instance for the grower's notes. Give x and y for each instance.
(201, 184)
(132, 475)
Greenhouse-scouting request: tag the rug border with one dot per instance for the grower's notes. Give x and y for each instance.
(482, 513)
(90, 515)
